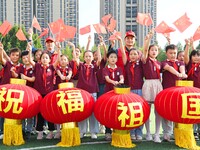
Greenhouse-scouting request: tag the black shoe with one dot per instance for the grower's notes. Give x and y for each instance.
(196, 136)
(28, 136)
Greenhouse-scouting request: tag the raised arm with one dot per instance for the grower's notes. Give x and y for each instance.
(30, 58)
(2, 59)
(88, 43)
(186, 52)
(104, 48)
(73, 49)
(98, 54)
(124, 57)
(55, 64)
(146, 46)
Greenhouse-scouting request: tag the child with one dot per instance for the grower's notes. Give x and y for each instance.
(44, 75)
(134, 79)
(180, 56)
(88, 81)
(192, 63)
(76, 52)
(64, 72)
(26, 73)
(172, 70)
(152, 85)
(10, 66)
(37, 55)
(113, 76)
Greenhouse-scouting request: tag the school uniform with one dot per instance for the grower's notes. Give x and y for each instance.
(75, 73)
(65, 72)
(169, 80)
(193, 72)
(151, 87)
(7, 73)
(27, 72)
(43, 84)
(114, 74)
(88, 81)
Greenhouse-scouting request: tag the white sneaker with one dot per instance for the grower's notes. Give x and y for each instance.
(57, 135)
(139, 137)
(82, 135)
(1, 136)
(166, 138)
(93, 136)
(40, 135)
(49, 135)
(149, 137)
(102, 129)
(133, 137)
(157, 139)
(108, 137)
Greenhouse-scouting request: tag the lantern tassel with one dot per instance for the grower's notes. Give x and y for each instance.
(122, 138)
(70, 135)
(184, 136)
(13, 132)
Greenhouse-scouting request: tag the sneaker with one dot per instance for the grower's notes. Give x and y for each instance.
(57, 135)
(40, 135)
(139, 137)
(166, 138)
(196, 136)
(93, 136)
(1, 136)
(149, 137)
(157, 139)
(133, 137)
(102, 129)
(108, 137)
(49, 135)
(82, 135)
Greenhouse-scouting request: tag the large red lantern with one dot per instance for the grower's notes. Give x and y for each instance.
(67, 105)
(121, 110)
(17, 102)
(181, 105)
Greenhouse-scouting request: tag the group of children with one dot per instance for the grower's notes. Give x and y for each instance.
(141, 71)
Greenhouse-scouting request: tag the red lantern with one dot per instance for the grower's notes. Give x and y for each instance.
(179, 104)
(18, 101)
(121, 110)
(67, 105)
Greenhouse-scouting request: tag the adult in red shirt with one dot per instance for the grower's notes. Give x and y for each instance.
(50, 49)
(129, 44)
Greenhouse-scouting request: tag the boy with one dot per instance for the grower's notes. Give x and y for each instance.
(172, 70)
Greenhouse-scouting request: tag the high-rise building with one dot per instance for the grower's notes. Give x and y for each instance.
(21, 12)
(125, 13)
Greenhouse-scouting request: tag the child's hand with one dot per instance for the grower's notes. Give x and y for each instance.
(118, 37)
(12, 69)
(121, 82)
(115, 82)
(22, 76)
(67, 78)
(58, 45)
(28, 47)
(89, 38)
(70, 44)
(184, 76)
(187, 41)
(62, 77)
(30, 32)
(101, 38)
(1, 46)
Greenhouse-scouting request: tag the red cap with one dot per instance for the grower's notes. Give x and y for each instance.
(49, 39)
(130, 33)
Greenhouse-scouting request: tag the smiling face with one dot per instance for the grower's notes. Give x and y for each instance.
(88, 57)
(153, 52)
(63, 61)
(45, 59)
(133, 55)
(129, 41)
(14, 57)
(50, 45)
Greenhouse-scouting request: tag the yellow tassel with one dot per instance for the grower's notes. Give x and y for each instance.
(122, 138)
(70, 135)
(13, 132)
(184, 137)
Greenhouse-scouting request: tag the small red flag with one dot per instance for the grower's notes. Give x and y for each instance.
(55, 26)
(20, 35)
(85, 30)
(99, 28)
(36, 24)
(112, 25)
(5, 28)
(144, 19)
(182, 23)
(66, 32)
(105, 19)
(71, 31)
(196, 35)
(45, 32)
(115, 33)
(164, 28)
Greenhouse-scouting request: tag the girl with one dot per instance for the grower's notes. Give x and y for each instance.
(88, 81)
(134, 79)
(152, 85)
(43, 83)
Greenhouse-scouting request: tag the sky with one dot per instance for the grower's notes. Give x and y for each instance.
(167, 10)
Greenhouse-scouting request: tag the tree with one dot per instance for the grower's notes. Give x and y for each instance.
(10, 40)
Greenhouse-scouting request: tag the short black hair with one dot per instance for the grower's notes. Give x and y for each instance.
(111, 52)
(171, 46)
(13, 50)
(193, 53)
(24, 53)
